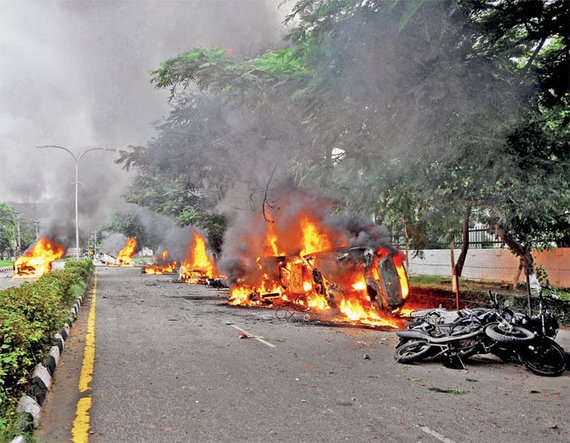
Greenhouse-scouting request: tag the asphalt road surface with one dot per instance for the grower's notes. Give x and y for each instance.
(170, 366)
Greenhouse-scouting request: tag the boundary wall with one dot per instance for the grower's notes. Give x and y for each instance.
(492, 265)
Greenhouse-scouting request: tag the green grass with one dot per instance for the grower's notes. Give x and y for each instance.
(470, 286)
(430, 281)
(6, 263)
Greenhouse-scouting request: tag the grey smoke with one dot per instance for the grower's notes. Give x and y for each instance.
(76, 73)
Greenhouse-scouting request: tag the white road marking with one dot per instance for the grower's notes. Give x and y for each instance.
(253, 336)
(435, 434)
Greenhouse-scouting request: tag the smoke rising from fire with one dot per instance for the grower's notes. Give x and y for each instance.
(76, 74)
(281, 230)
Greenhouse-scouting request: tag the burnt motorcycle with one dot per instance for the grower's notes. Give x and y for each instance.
(454, 336)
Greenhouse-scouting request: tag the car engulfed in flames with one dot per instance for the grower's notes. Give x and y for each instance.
(363, 284)
(38, 258)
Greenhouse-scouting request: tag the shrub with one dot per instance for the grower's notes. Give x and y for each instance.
(29, 317)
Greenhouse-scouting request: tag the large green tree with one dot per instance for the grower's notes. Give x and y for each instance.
(419, 113)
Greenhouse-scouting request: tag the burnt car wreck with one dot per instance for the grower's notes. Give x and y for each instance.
(374, 280)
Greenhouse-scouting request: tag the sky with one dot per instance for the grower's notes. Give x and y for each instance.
(76, 73)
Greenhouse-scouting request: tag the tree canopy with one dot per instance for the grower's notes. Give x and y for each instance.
(413, 112)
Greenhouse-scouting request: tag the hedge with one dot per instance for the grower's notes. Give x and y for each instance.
(30, 315)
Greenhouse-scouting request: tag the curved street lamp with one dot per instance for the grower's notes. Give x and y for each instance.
(76, 159)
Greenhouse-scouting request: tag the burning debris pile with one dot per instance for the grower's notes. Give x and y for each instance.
(162, 265)
(197, 267)
(126, 254)
(38, 258)
(304, 258)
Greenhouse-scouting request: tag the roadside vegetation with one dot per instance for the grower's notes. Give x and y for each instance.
(29, 317)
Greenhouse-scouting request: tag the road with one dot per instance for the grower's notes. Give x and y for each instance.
(170, 366)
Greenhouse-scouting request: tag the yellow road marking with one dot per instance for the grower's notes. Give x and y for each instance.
(80, 431)
(81, 423)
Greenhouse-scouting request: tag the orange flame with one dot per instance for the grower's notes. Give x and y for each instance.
(162, 265)
(125, 255)
(314, 240)
(37, 260)
(197, 267)
(270, 242)
(399, 262)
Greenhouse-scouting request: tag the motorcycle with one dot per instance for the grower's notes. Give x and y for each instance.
(541, 355)
(457, 335)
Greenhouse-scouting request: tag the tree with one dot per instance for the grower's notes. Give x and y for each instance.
(527, 206)
(7, 228)
(129, 224)
(474, 92)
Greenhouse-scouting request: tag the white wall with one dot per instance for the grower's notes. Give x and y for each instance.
(496, 265)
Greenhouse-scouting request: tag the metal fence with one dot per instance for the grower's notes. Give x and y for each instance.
(479, 238)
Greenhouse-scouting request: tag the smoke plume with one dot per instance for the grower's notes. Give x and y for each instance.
(76, 74)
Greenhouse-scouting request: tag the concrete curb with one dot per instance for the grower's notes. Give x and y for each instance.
(30, 404)
(6, 268)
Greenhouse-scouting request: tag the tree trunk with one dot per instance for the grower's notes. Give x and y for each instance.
(465, 244)
(525, 256)
(454, 276)
(407, 240)
(457, 268)
(524, 253)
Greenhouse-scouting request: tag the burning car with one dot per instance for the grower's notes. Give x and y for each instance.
(360, 282)
(379, 275)
(38, 258)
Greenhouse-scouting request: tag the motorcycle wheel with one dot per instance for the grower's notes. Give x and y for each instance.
(516, 335)
(543, 356)
(412, 351)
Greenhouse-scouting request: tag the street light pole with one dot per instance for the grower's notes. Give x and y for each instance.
(76, 160)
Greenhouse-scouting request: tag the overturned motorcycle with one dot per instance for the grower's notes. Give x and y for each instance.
(454, 336)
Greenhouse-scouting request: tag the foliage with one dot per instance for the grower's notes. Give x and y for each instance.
(29, 316)
(183, 172)
(10, 223)
(215, 70)
(413, 112)
(130, 225)
(7, 227)
(215, 225)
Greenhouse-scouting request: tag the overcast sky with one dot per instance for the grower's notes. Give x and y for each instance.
(76, 73)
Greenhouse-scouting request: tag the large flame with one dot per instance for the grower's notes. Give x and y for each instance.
(125, 255)
(297, 264)
(162, 265)
(197, 267)
(314, 239)
(399, 262)
(38, 258)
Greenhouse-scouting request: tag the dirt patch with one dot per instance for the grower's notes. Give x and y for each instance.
(425, 297)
